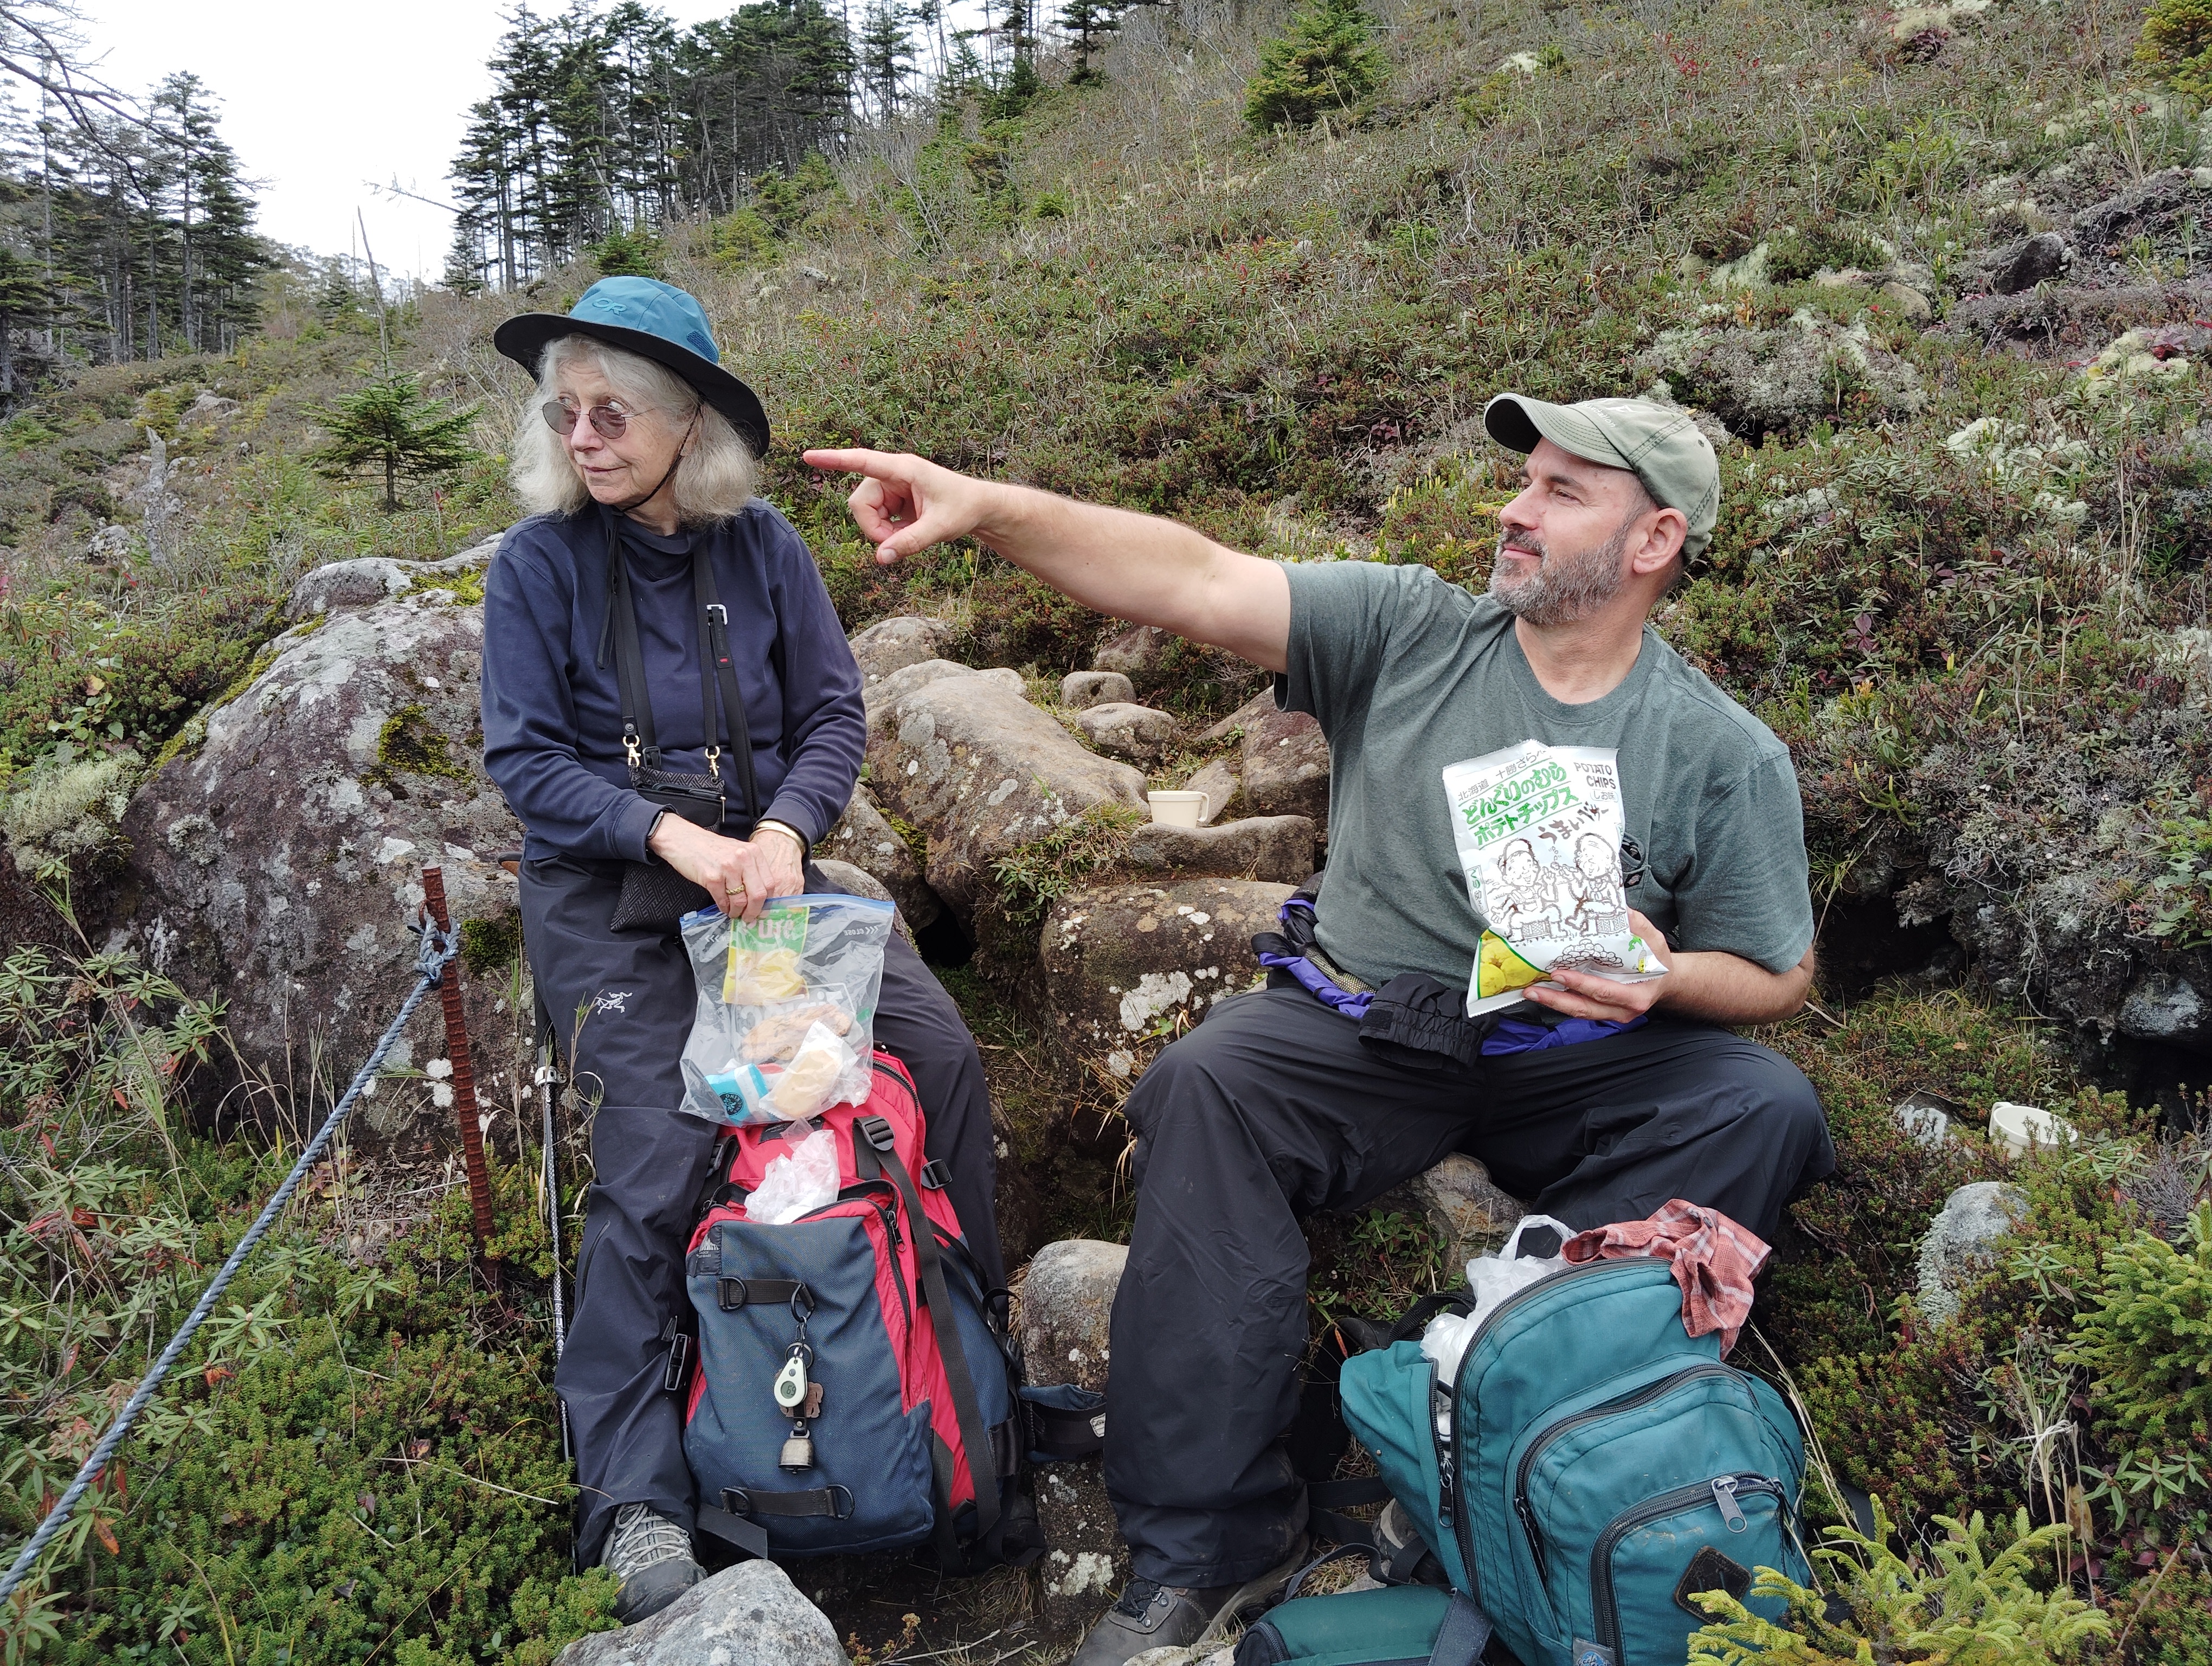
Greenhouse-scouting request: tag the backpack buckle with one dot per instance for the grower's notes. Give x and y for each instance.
(877, 1131)
(935, 1175)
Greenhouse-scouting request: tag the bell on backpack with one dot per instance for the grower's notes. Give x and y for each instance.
(852, 1385)
(1590, 1467)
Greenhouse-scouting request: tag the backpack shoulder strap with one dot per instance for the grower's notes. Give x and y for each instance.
(1463, 1636)
(716, 668)
(876, 1136)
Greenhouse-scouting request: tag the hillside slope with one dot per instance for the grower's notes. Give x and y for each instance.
(1932, 272)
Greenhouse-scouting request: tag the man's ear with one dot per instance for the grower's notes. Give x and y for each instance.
(1662, 542)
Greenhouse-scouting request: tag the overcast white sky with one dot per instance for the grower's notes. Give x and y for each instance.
(319, 100)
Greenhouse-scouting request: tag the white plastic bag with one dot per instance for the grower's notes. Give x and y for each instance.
(785, 1024)
(1539, 830)
(802, 1179)
(1490, 1279)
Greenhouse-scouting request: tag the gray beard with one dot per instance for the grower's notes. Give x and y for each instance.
(1563, 588)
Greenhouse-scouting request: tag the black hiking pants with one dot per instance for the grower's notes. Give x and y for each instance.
(1273, 1109)
(649, 1162)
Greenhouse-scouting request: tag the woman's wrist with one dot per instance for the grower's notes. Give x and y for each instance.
(797, 838)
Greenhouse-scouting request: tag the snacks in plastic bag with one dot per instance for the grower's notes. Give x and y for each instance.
(1539, 830)
(785, 1026)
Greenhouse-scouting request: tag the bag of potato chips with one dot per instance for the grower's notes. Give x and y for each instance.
(1539, 830)
(787, 1007)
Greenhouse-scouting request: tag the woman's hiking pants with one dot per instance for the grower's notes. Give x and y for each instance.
(1273, 1109)
(636, 995)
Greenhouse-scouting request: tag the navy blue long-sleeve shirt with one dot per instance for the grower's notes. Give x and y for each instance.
(552, 713)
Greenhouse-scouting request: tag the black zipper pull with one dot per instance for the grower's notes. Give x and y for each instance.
(1731, 1512)
(1528, 1514)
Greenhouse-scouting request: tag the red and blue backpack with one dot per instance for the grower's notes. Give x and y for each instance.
(848, 1385)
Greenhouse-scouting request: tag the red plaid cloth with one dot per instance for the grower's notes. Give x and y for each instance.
(1715, 1261)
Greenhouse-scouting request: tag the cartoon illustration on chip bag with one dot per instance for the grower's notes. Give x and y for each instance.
(1528, 901)
(1595, 883)
(1539, 831)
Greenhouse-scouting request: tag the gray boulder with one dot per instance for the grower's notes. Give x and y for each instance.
(1261, 705)
(1217, 779)
(1136, 652)
(859, 882)
(278, 863)
(1123, 729)
(1925, 1118)
(887, 690)
(1463, 1206)
(1080, 690)
(346, 584)
(372, 579)
(1283, 769)
(1758, 380)
(748, 1615)
(2028, 263)
(864, 838)
(1066, 1301)
(890, 645)
(1278, 847)
(2161, 1007)
(1961, 1246)
(1281, 766)
(1129, 965)
(981, 772)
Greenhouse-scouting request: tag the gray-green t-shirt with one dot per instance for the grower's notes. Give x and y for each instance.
(1407, 674)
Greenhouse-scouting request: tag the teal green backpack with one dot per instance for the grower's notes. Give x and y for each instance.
(1395, 1625)
(1589, 1469)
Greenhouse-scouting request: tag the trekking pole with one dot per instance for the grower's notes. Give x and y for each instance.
(548, 1076)
(465, 1079)
(430, 965)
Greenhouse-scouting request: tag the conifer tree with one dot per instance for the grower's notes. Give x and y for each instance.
(1325, 62)
(1087, 24)
(392, 426)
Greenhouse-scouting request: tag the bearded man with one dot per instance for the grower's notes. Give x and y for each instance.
(1600, 1101)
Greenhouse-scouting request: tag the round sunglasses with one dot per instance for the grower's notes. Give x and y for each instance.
(611, 421)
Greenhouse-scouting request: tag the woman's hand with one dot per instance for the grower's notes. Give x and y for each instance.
(739, 874)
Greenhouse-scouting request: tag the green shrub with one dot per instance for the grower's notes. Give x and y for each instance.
(1795, 254)
(1032, 875)
(2148, 1337)
(1325, 63)
(2177, 44)
(1960, 1606)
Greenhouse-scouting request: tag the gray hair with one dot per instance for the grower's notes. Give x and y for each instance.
(713, 482)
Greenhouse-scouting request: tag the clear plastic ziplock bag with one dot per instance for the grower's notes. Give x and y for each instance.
(785, 1022)
(1539, 830)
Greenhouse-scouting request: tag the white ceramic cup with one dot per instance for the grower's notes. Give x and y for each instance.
(1179, 809)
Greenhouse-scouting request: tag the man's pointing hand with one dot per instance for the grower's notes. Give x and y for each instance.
(906, 503)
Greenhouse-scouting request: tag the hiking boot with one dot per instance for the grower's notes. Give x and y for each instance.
(652, 1557)
(1151, 1615)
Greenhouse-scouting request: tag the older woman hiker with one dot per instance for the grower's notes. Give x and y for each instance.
(672, 711)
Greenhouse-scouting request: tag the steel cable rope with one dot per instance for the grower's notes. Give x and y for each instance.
(437, 952)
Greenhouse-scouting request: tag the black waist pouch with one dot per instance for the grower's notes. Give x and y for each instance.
(1419, 1023)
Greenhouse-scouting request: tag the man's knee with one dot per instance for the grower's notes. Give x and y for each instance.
(1785, 1103)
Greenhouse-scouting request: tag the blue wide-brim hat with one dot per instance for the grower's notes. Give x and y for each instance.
(656, 321)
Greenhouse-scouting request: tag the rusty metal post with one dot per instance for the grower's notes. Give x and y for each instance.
(464, 1075)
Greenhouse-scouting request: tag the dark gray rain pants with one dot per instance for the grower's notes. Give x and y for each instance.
(649, 1162)
(1273, 1109)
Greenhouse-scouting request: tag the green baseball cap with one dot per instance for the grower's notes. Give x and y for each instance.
(1661, 444)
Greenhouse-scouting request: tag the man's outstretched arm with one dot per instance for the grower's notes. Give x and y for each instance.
(1133, 567)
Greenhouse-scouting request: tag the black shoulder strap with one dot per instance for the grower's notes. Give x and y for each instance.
(715, 666)
(639, 740)
(876, 1133)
